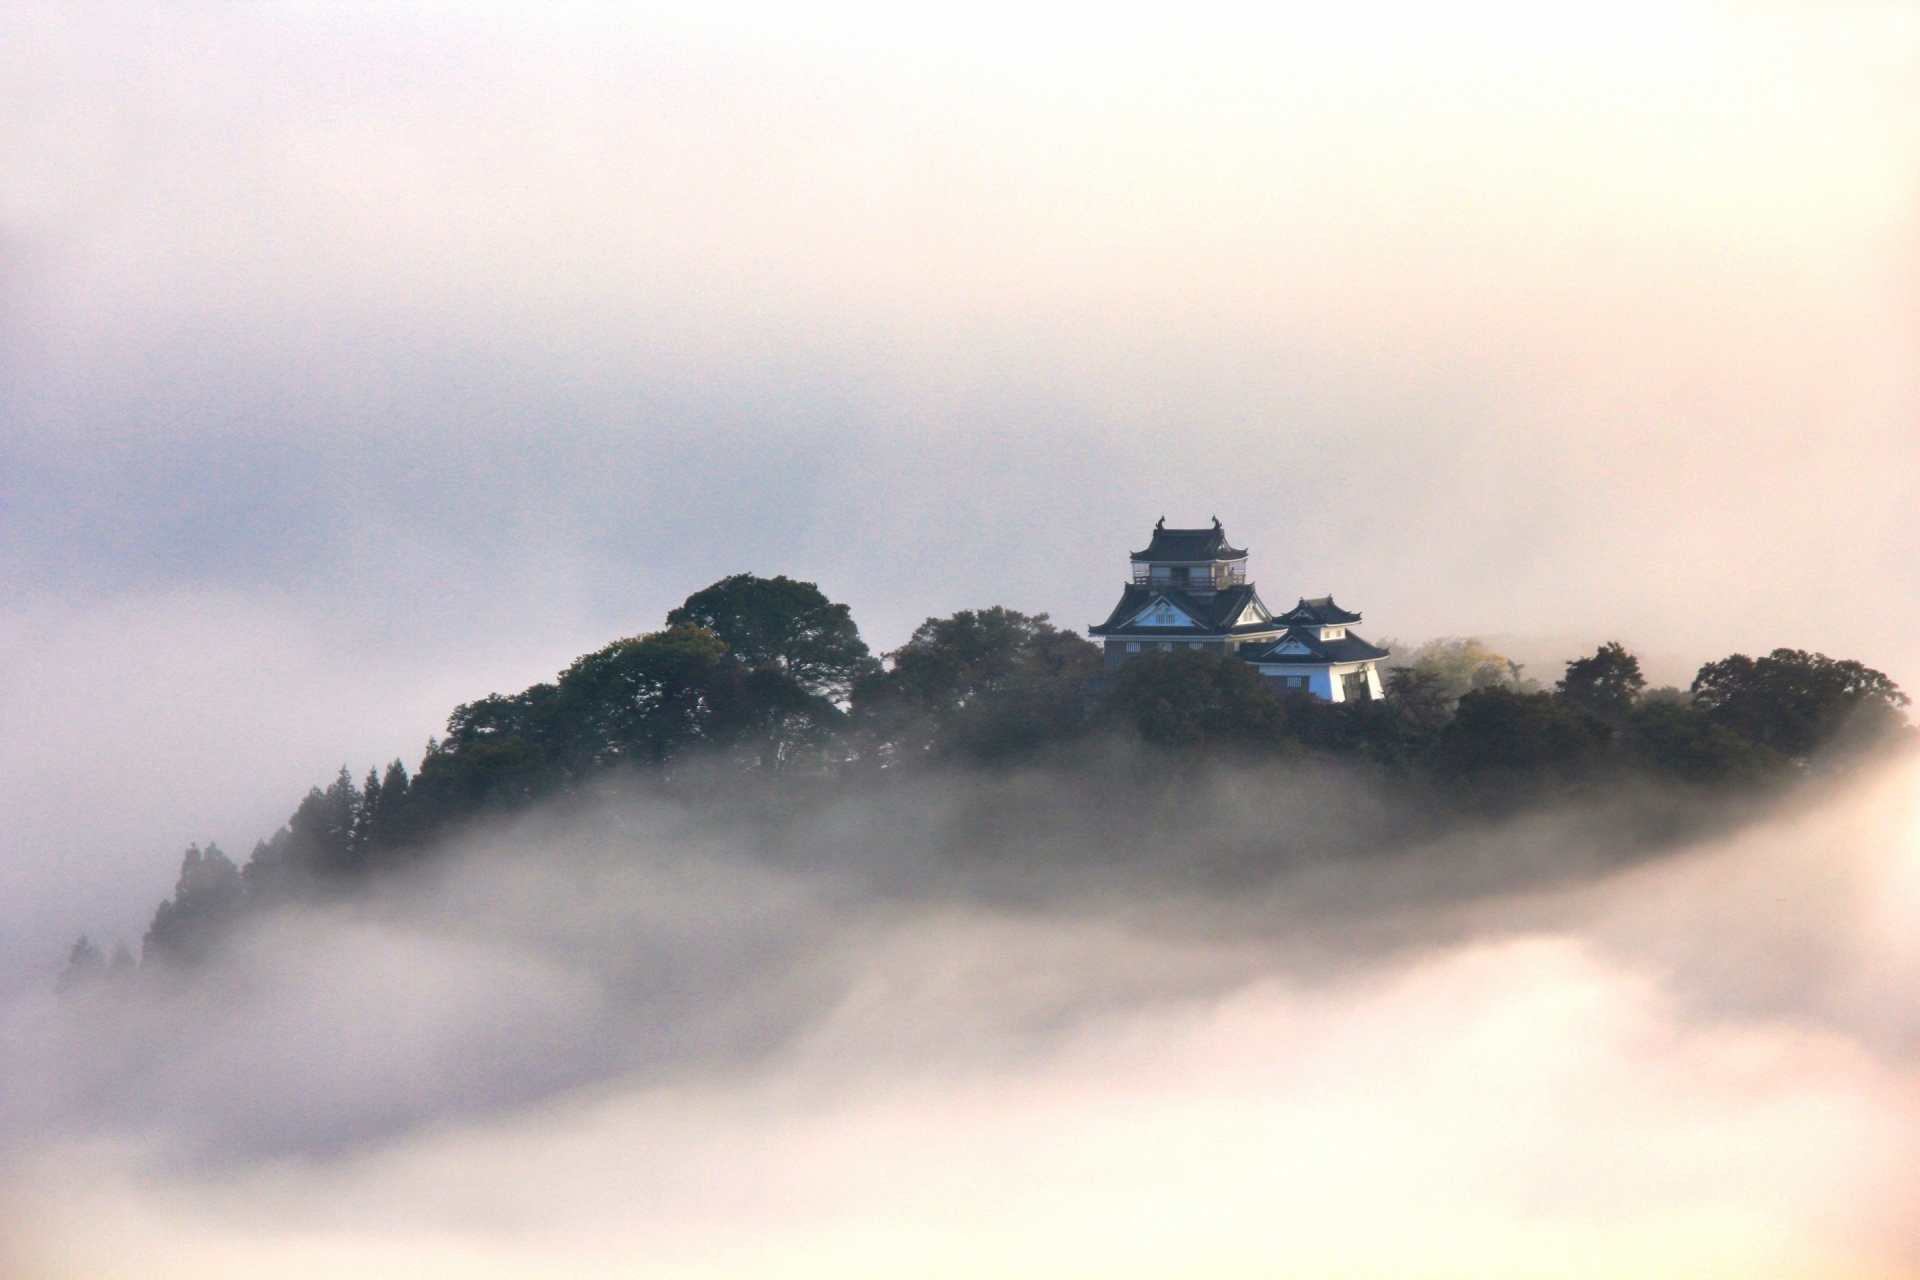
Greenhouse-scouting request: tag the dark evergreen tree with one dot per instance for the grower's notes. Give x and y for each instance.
(206, 900)
(85, 966)
(1419, 699)
(385, 822)
(367, 816)
(322, 828)
(766, 720)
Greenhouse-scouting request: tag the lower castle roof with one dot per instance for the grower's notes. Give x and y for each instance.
(1216, 614)
(1301, 647)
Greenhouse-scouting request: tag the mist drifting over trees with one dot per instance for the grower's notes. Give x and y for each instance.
(762, 686)
(736, 923)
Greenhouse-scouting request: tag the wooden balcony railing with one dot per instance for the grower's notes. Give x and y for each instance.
(1218, 581)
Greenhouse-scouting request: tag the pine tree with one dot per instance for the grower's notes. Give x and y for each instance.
(367, 817)
(85, 966)
(206, 900)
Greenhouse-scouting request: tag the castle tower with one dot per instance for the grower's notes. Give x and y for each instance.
(1189, 590)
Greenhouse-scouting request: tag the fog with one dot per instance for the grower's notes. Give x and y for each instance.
(1024, 1024)
(356, 364)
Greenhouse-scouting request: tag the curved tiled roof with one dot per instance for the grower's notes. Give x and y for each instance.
(1319, 611)
(1216, 614)
(1188, 546)
(1346, 649)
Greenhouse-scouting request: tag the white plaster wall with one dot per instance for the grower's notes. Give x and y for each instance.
(1324, 682)
(1319, 683)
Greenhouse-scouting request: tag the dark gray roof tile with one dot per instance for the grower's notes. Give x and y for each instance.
(1318, 611)
(1216, 613)
(1348, 648)
(1191, 546)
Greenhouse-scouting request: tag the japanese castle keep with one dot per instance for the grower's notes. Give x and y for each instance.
(1190, 591)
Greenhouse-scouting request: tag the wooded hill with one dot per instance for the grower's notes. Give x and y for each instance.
(767, 676)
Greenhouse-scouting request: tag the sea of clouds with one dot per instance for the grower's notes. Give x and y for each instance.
(1255, 1024)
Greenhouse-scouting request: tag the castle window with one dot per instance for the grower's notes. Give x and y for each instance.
(1133, 646)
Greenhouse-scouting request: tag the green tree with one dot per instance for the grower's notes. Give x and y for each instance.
(766, 720)
(1498, 733)
(1793, 702)
(1194, 699)
(1419, 700)
(640, 700)
(1668, 737)
(1607, 684)
(983, 683)
(778, 622)
(1454, 667)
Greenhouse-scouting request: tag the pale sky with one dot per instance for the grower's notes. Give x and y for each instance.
(354, 363)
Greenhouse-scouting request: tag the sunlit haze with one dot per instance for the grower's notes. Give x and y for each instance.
(357, 361)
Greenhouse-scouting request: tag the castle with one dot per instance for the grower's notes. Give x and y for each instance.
(1190, 591)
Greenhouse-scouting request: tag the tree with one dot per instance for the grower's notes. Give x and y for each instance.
(1191, 698)
(319, 845)
(767, 720)
(323, 828)
(778, 622)
(983, 683)
(1498, 733)
(1607, 684)
(85, 966)
(1453, 668)
(206, 899)
(383, 824)
(1794, 702)
(1419, 699)
(642, 699)
(1666, 736)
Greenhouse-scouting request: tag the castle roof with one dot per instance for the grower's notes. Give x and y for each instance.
(1301, 647)
(1189, 546)
(1320, 611)
(1217, 614)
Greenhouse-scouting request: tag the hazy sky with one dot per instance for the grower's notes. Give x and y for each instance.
(354, 363)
